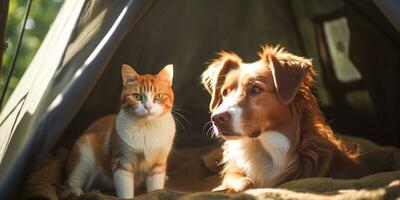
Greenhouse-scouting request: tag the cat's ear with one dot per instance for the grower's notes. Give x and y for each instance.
(128, 74)
(167, 73)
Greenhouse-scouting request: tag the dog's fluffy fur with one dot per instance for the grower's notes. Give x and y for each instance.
(270, 120)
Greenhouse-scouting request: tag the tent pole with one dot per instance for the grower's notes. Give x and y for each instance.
(3, 29)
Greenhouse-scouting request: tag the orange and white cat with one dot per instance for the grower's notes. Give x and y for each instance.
(124, 150)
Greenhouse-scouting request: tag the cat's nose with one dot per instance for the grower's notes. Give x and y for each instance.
(148, 107)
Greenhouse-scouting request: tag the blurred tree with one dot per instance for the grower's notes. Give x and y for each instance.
(41, 16)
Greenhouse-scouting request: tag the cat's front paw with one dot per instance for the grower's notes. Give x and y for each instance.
(77, 191)
(240, 185)
(220, 188)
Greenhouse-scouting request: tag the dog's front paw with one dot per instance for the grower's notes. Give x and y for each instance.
(235, 186)
(240, 185)
(221, 188)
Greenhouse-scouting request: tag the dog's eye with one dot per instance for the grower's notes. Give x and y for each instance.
(255, 89)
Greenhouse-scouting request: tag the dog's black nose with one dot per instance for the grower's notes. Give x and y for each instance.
(221, 118)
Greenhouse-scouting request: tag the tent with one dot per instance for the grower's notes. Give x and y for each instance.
(74, 77)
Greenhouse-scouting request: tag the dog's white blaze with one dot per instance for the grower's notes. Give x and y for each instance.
(236, 113)
(230, 105)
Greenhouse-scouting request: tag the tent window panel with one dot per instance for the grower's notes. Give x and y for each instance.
(343, 80)
(337, 36)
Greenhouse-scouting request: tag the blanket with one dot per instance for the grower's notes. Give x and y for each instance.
(193, 172)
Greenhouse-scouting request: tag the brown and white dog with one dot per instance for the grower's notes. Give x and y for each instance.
(270, 120)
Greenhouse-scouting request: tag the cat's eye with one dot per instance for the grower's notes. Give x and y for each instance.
(137, 97)
(159, 96)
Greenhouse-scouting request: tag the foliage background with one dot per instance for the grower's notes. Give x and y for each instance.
(41, 16)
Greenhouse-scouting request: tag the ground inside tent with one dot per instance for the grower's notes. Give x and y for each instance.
(193, 172)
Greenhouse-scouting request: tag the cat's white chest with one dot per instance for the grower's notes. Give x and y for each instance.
(147, 137)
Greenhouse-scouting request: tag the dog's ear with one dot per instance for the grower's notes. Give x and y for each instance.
(214, 77)
(288, 72)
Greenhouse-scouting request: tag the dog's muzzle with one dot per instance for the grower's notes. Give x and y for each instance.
(223, 122)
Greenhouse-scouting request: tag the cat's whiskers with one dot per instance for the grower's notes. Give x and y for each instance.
(179, 123)
(180, 115)
(181, 109)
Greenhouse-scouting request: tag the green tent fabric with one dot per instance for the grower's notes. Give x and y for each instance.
(75, 77)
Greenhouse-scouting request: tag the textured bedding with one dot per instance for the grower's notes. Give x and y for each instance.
(193, 172)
